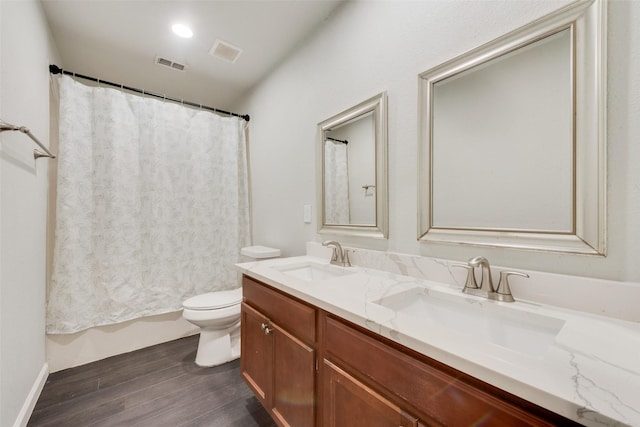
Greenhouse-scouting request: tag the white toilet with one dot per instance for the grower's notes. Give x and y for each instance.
(218, 316)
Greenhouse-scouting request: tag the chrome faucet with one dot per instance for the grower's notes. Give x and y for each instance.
(486, 284)
(340, 256)
(486, 289)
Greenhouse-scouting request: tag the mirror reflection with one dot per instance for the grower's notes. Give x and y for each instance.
(352, 171)
(349, 172)
(514, 154)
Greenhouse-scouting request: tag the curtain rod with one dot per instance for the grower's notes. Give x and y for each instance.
(54, 69)
(344, 141)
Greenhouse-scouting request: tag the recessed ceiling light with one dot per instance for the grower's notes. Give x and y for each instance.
(182, 31)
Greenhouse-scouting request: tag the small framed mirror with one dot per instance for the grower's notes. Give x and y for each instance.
(351, 164)
(512, 145)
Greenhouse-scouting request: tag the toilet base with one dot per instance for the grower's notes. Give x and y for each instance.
(217, 347)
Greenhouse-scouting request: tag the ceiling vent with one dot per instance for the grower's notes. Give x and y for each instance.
(225, 51)
(170, 64)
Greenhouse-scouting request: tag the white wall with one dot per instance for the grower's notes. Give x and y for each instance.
(25, 51)
(369, 47)
(1, 240)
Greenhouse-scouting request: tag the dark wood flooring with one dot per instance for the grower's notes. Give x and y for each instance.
(156, 386)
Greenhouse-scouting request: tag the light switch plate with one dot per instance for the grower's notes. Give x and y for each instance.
(307, 214)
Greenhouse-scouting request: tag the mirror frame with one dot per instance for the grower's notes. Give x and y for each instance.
(380, 230)
(587, 22)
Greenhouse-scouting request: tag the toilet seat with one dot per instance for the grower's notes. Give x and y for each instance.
(214, 300)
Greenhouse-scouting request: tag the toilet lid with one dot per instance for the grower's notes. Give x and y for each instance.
(212, 300)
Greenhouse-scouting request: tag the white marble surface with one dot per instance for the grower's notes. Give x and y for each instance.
(603, 297)
(589, 373)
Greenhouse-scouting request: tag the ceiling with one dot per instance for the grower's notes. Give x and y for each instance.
(118, 41)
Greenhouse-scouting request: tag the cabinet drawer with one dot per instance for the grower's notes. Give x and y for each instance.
(298, 318)
(440, 394)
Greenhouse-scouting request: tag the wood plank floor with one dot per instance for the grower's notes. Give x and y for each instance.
(156, 386)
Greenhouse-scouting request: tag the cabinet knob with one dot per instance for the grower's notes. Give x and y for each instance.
(266, 330)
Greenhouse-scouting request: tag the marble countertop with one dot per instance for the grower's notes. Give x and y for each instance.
(590, 371)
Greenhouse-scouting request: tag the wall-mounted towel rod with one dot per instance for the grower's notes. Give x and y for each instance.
(344, 141)
(36, 154)
(54, 69)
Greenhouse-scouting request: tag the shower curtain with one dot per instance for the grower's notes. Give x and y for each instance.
(152, 206)
(336, 182)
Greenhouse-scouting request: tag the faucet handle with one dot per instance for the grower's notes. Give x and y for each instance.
(346, 262)
(470, 283)
(334, 254)
(503, 292)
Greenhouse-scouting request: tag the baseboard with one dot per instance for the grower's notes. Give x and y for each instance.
(32, 398)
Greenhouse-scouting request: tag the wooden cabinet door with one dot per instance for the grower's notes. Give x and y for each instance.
(348, 402)
(256, 362)
(294, 380)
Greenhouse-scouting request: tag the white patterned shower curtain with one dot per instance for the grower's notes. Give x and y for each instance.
(152, 206)
(336, 183)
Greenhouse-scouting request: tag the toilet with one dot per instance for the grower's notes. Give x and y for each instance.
(218, 316)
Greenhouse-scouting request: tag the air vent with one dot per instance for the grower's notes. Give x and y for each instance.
(171, 64)
(225, 51)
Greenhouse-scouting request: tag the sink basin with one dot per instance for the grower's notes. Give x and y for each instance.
(517, 330)
(311, 271)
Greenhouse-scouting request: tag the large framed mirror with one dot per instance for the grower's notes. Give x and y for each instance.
(512, 138)
(351, 164)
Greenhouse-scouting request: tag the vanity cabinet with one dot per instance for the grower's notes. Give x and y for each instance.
(381, 373)
(278, 360)
(296, 358)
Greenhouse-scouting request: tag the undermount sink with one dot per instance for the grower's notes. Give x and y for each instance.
(521, 331)
(311, 271)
